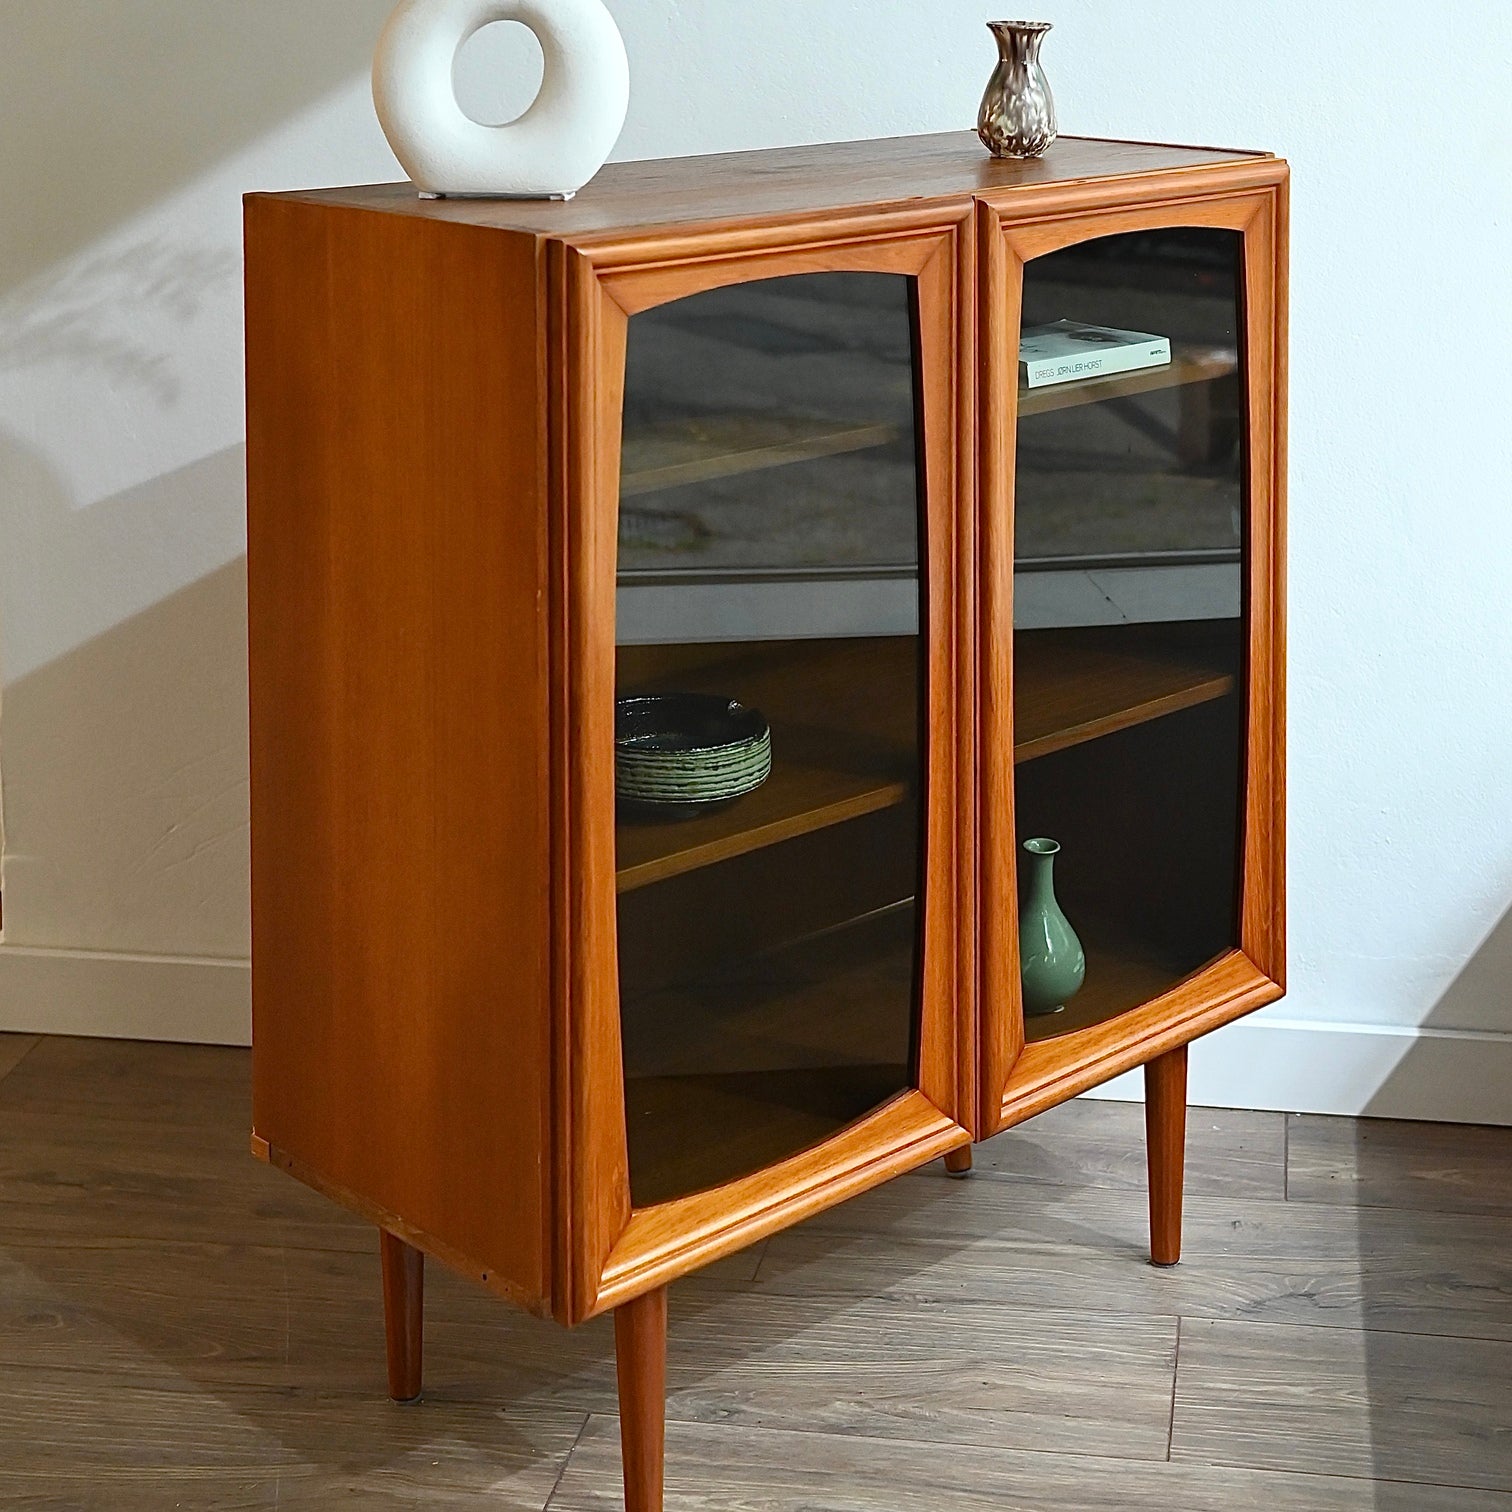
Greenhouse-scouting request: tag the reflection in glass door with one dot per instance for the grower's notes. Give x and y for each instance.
(1129, 555)
(768, 747)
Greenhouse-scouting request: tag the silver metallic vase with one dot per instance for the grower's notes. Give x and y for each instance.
(1017, 118)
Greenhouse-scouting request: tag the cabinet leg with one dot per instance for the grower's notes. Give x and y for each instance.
(403, 1314)
(640, 1348)
(1165, 1138)
(958, 1162)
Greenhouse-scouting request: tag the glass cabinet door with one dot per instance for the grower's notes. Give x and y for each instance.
(770, 698)
(1129, 565)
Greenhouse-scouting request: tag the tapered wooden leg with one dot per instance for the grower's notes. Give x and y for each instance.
(403, 1314)
(640, 1348)
(1165, 1139)
(958, 1162)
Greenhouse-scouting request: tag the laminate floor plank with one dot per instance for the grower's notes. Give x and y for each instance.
(1394, 1407)
(90, 1440)
(72, 1176)
(959, 1372)
(1091, 1142)
(200, 1086)
(267, 1316)
(1036, 1246)
(738, 1469)
(14, 1048)
(223, 1316)
(181, 1327)
(1446, 1168)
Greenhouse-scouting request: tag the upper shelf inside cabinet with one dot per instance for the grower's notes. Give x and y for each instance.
(720, 446)
(841, 743)
(1076, 685)
(1187, 365)
(680, 452)
(792, 182)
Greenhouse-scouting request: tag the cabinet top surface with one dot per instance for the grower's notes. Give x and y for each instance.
(787, 181)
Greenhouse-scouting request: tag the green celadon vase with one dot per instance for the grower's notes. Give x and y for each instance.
(1052, 962)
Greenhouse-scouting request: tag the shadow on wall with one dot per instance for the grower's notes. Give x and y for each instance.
(126, 783)
(86, 318)
(124, 734)
(117, 105)
(1460, 1063)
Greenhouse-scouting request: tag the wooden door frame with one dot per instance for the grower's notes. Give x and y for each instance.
(607, 1253)
(1019, 1080)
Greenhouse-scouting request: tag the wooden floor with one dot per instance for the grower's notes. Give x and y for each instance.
(183, 1328)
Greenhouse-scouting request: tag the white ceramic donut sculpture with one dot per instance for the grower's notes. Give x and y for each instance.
(553, 149)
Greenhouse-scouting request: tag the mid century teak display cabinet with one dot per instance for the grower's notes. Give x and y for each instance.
(753, 426)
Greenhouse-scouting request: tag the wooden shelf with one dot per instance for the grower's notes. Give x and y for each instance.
(722, 446)
(1076, 685)
(730, 1073)
(841, 713)
(842, 744)
(1187, 365)
(796, 799)
(667, 456)
(1122, 973)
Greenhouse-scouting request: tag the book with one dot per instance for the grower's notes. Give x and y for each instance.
(1067, 350)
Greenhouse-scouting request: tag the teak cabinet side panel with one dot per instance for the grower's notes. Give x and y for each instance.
(396, 569)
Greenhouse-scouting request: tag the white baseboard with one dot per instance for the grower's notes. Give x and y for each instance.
(1301, 1066)
(96, 993)
(1294, 1065)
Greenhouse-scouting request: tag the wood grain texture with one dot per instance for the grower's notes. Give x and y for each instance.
(1187, 366)
(1000, 1017)
(396, 561)
(403, 1268)
(1377, 1163)
(1011, 231)
(750, 1470)
(846, 744)
(909, 1132)
(613, 1254)
(1388, 1406)
(737, 1354)
(1123, 972)
(717, 1089)
(13, 1050)
(793, 182)
(82, 1441)
(1071, 686)
(928, 1236)
(1231, 1153)
(673, 454)
(143, 1366)
(1165, 1150)
(958, 1372)
(1050, 1070)
(958, 1162)
(640, 1352)
(156, 1136)
(433, 672)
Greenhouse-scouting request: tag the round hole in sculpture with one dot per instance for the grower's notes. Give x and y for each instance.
(497, 73)
(558, 142)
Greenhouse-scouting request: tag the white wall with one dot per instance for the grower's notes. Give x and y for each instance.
(130, 131)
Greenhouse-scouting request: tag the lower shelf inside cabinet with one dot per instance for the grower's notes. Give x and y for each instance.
(1148, 818)
(723, 1077)
(1123, 972)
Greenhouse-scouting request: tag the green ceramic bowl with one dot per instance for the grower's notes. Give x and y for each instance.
(688, 749)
